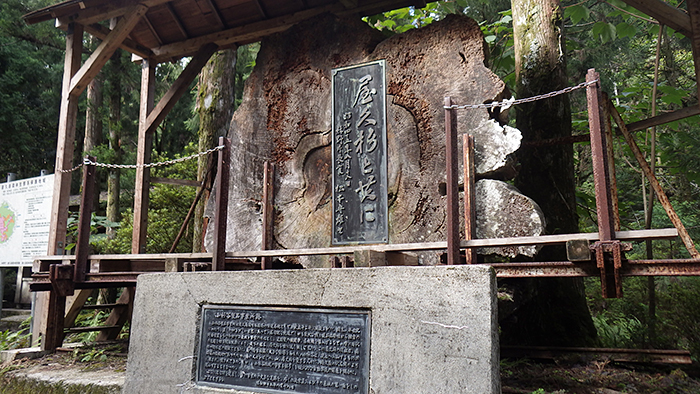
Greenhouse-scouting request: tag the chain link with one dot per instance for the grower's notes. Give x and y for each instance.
(86, 161)
(512, 101)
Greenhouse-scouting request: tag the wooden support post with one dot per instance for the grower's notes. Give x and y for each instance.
(64, 146)
(610, 153)
(53, 336)
(369, 258)
(143, 156)
(608, 254)
(47, 325)
(660, 194)
(469, 203)
(600, 168)
(267, 213)
(451, 161)
(86, 201)
(221, 213)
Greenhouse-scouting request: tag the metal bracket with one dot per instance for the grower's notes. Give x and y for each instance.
(608, 256)
(61, 277)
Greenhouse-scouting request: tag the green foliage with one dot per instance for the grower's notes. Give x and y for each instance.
(16, 339)
(168, 206)
(31, 67)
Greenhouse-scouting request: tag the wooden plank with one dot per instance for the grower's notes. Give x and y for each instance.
(452, 167)
(152, 29)
(469, 203)
(177, 20)
(143, 156)
(660, 194)
(94, 11)
(246, 33)
(631, 235)
(267, 212)
(105, 50)
(664, 13)
(217, 14)
(664, 118)
(221, 210)
(64, 146)
(694, 11)
(175, 182)
(128, 45)
(179, 87)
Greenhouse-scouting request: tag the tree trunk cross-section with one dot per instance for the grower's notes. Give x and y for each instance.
(285, 118)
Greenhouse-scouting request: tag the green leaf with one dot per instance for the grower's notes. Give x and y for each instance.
(577, 13)
(605, 31)
(490, 39)
(625, 30)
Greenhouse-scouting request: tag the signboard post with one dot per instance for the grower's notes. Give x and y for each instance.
(25, 209)
(360, 208)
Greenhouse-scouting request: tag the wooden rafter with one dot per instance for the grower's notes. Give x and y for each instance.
(152, 29)
(128, 45)
(105, 50)
(247, 33)
(349, 3)
(664, 118)
(95, 11)
(177, 20)
(664, 13)
(217, 14)
(179, 87)
(261, 9)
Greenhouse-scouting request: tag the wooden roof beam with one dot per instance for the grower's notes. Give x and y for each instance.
(217, 14)
(128, 45)
(179, 87)
(261, 9)
(178, 21)
(105, 50)
(349, 3)
(94, 11)
(665, 13)
(148, 23)
(248, 33)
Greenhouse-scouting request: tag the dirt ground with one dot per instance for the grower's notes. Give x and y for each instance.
(597, 377)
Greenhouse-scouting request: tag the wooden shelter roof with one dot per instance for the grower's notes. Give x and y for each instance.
(171, 29)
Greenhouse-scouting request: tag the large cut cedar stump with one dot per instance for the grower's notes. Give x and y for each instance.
(285, 118)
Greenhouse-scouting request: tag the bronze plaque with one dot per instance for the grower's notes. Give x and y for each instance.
(284, 350)
(359, 154)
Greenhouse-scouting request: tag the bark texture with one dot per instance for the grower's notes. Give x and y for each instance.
(285, 117)
(215, 105)
(548, 311)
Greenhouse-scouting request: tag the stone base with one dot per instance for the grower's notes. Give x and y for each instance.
(433, 329)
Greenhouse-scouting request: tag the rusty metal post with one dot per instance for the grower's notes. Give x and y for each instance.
(469, 206)
(611, 160)
(267, 213)
(607, 253)
(87, 199)
(451, 161)
(221, 212)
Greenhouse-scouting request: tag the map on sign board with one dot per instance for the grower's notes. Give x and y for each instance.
(360, 208)
(25, 209)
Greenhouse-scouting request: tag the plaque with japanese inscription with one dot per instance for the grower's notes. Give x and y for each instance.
(284, 350)
(360, 205)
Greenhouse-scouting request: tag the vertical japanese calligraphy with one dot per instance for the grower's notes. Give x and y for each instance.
(359, 154)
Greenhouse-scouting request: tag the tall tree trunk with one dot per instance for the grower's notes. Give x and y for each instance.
(93, 119)
(115, 98)
(215, 105)
(556, 313)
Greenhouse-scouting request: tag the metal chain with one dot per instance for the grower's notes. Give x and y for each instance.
(86, 161)
(512, 101)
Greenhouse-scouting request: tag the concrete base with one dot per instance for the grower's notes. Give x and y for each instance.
(433, 329)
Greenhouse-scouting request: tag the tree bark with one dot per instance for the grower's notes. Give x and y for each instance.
(215, 106)
(553, 311)
(93, 120)
(114, 127)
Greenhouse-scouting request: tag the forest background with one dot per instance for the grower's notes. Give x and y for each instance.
(621, 43)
